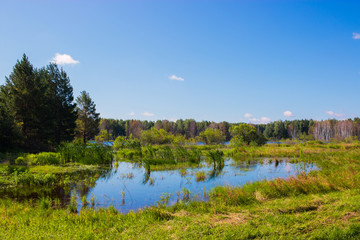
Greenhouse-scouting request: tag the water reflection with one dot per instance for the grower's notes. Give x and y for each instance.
(80, 182)
(216, 171)
(130, 186)
(146, 187)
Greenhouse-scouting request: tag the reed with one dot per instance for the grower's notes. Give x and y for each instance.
(122, 197)
(84, 201)
(92, 201)
(164, 200)
(183, 172)
(186, 194)
(94, 153)
(216, 157)
(200, 176)
(72, 207)
(151, 181)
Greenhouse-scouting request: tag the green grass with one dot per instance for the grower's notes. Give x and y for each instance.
(67, 168)
(316, 216)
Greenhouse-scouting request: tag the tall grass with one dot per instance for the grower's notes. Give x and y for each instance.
(93, 153)
(27, 178)
(216, 157)
(339, 172)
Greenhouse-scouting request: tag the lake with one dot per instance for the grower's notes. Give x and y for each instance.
(130, 187)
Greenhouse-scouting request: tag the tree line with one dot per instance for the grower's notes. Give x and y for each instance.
(38, 110)
(303, 129)
(189, 128)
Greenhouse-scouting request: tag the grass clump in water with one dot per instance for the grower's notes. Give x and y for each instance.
(200, 176)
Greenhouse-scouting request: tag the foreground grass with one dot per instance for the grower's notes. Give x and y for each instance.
(316, 216)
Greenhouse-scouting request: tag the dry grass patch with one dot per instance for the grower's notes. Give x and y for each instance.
(230, 218)
(350, 215)
(182, 213)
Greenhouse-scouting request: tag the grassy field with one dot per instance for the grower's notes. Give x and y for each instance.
(324, 204)
(316, 216)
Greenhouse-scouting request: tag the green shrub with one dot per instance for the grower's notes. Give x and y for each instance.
(44, 203)
(156, 136)
(122, 142)
(212, 136)
(21, 161)
(46, 158)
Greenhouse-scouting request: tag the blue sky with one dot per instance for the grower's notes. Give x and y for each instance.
(251, 61)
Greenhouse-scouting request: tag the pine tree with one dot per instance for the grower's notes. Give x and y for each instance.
(63, 108)
(40, 103)
(87, 124)
(9, 132)
(27, 102)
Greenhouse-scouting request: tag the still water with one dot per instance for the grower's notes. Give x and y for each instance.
(130, 187)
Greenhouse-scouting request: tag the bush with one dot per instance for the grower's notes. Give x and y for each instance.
(245, 134)
(212, 136)
(46, 158)
(122, 142)
(155, 136)
(21, 161)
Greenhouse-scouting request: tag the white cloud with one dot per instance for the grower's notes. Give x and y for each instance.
(356, 35)
(331, 113)
(174, 77)
(132, 114)
(173, 119)
(63, 59)
(288, 114)
(254, 120)
(147, 114)
(265, 120)
(261, 120)
(248, 115)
